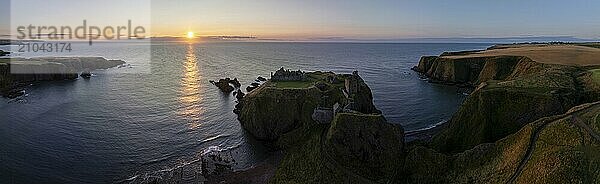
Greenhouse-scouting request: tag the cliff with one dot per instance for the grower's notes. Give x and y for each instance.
(17, 71)
(468, 71)
(366, 144)
(356, 145)
(555, 149)
(270, 112)
(511, 92)
(521, 124)
(278, 107)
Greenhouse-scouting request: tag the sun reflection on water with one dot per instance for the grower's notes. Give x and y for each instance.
(190, 89)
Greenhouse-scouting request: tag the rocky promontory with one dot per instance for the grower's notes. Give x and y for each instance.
(15, 72)
(511, 91)
(324, 122)
(527, 121)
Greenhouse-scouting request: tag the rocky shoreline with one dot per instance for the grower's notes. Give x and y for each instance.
(488, 140)
(17, 73)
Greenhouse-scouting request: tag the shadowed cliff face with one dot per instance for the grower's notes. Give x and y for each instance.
(277, 108)
(469, 71)
(512, 91)
(270, 112)
(357, 146)
(366, 144)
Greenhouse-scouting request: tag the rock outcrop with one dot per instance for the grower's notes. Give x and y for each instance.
(87, 73)
(223, 85)
(366, 144)
(512, 91)
(270, 112)
(359, 145)
(14, 72)
(2, 53)
(467, 71)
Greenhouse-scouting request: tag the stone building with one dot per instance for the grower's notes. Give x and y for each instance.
(351, 84)
(325, 115)
(287, 75)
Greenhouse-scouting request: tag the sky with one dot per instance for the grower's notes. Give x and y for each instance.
(323, 19)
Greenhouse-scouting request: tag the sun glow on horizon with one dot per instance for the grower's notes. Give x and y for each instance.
(190, 34)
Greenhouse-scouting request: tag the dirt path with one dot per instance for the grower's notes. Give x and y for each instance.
(530, 149)
(536, 135)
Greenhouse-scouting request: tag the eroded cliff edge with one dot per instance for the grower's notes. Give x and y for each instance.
(328, 127)
(510, 91)
(525, 122)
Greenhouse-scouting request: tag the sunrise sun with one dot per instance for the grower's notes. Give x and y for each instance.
(190, 34)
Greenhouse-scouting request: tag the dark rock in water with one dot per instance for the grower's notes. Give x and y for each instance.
(86, 73)
(259, 78)
(224, 86)
(235, 82)
(255, 84)
(250, 88)
(2, 53)
(239, 94)
(238, 107)
(14, 93)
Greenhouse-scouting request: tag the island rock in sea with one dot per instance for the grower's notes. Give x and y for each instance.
(16, 72)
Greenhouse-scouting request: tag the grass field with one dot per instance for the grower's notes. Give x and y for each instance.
(551, 54)
(293, 84)
(596, 74)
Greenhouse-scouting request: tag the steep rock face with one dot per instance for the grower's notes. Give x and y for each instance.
(470, 71)
(269, 112)
(513, 91)
(360, 95)
(357, 146)
(366, 144)
(498, 108)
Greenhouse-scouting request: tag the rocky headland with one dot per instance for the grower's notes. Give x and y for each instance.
(526, 121)
(15, 73)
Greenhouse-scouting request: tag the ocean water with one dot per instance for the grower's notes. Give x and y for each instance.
(130, 125)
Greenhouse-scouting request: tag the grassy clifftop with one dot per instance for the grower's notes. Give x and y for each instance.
(511, 92)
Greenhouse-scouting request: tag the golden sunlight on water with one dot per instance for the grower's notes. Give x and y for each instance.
(190, 96)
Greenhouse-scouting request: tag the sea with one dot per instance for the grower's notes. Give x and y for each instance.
(157, 115)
